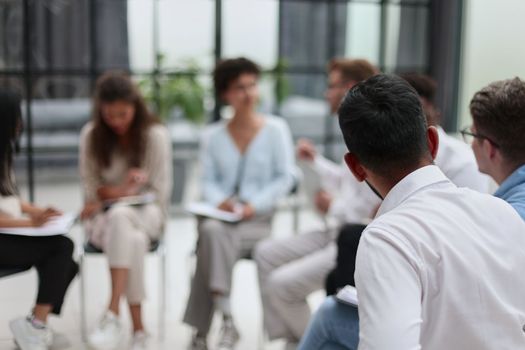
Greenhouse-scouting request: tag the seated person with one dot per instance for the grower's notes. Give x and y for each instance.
(291, 269)
(433, 269)
(50, 255)
(498, 113)
(124, 151)
(454, 159)
(247, 166)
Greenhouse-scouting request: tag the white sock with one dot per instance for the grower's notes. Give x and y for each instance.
(37, 324)
(222, 303)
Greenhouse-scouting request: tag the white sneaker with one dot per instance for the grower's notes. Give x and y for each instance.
(28, 337)
(108, 333)
(139, 341)
(198, 343)
(229, 335)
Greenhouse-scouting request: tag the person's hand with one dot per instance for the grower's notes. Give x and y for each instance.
(136, 177)
(306, 150)
(227, 205)
(247, 211)
(40, 217)
(90, 209)
(323, 200)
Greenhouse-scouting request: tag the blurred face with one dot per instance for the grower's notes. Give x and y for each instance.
(336, 89)
(118, 116)
(243, 93)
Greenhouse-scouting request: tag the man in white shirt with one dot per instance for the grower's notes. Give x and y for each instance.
(291, 269)
(454, 158)
(439, 267)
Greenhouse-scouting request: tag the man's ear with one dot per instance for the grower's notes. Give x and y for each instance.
(489, 149)
(355, 166)
(433, 141)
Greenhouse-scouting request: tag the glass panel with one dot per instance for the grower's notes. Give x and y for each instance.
(140, 34)
(60, 34)
(186, 33)
(250, 28)
(413, 45)
(11, 35)
(362, 31)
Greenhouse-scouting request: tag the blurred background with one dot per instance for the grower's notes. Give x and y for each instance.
(53, 50)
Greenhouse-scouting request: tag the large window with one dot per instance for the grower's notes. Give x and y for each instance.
(53, 51)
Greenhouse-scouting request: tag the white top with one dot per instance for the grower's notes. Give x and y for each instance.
(157, 163)
(262, 175)
(440, 268)
(355, 202)
(11, 206)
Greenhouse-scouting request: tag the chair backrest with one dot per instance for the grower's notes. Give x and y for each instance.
(4, 272)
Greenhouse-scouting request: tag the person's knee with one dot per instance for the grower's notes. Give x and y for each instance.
(65, 246)
(262, 251)
(210, 229)
(119, 213)
(284, 287)
(327, 310)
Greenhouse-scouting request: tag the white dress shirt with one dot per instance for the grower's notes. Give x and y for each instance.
(456, 159)
(440, 268)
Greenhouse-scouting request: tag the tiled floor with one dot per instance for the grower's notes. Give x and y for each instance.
(17, 293)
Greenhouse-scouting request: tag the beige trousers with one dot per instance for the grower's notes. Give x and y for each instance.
(219, 246)
(124, 233)
(289, 270)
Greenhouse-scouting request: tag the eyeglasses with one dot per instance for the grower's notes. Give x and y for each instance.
(469, 136)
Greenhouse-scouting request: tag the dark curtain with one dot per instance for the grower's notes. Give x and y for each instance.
(430, 42)
(311, 34)
(61, 41)
(445, 52)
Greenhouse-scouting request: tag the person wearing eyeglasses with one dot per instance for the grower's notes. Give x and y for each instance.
(438, 268)
(497, 136)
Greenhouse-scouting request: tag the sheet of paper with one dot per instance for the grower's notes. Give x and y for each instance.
(56, 226)
(141, 199)
(347, 295)
(209, 211)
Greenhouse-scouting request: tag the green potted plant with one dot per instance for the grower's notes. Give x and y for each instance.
(179, 90)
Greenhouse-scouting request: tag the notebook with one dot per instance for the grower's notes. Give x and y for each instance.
(59, 225)
(209, 211)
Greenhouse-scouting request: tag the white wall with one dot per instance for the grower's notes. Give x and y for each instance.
(493, 47)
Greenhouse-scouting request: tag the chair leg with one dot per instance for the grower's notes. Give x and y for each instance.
(162, 291)
(83, 322)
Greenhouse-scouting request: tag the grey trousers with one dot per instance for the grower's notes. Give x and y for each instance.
(289, 270)
(219, 246)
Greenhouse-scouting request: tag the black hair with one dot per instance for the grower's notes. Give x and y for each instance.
(11, 126)
(227, 71)
(383, 125)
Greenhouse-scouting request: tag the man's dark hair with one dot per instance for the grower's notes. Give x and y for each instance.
(498, 111)
(383, 125)
(229, 70)
(424, 85)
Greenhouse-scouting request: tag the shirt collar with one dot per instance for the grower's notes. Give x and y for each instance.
(413, 182)
(517, 177)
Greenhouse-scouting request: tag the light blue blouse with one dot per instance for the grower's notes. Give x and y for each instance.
(264, 173)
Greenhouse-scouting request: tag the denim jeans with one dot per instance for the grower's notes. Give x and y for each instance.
(335, 326)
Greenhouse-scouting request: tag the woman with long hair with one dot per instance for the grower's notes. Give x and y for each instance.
(50, 255)
(124, 151)
(247, 165)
